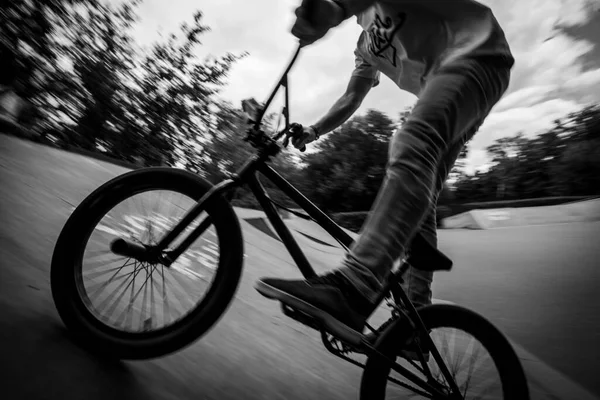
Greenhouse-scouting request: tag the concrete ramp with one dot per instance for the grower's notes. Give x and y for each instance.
(581, 211)
(309, 235)
(314, 231)
(466, 220)
(262, 225)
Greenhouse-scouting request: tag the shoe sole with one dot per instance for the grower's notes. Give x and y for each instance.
(326, 320)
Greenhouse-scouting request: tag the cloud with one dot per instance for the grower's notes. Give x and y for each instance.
(530, 120)
(524, 97)
(548, 81)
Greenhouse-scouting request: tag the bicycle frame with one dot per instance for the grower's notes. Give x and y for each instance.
(248, 174)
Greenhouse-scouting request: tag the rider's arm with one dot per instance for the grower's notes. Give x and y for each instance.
(363, 78)
(345, 106)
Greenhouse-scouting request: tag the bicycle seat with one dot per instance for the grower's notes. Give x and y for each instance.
(425, 257)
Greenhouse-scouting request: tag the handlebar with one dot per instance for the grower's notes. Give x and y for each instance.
(309, 6)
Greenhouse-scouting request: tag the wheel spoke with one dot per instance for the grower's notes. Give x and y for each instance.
(470, 366)
(134, 297)
(166, 306)
(152, 303)
(94, 273)
(177, 285)
(117, 293)
(113, 278)
(114, 305)
(145, 321)
(91, 255)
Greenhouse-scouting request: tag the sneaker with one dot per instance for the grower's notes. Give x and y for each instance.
(322, 297)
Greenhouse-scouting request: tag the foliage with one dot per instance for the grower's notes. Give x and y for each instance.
(347, 171)
(100, 90)
(26, 48)
(95, 89)
(564, 161)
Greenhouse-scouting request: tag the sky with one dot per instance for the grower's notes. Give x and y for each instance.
(556, 48)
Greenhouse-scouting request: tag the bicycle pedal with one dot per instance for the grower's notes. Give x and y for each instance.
(301, 317)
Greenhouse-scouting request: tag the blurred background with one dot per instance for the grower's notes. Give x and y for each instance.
(149, 83)
(108, 77)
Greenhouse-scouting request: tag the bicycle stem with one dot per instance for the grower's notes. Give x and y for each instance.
(279, 84)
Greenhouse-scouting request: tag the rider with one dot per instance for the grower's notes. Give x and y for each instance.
(451, 54)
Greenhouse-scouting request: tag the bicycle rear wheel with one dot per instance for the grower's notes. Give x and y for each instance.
(133, 309)
(463, 339)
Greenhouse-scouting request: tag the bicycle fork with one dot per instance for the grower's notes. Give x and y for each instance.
(160, 253)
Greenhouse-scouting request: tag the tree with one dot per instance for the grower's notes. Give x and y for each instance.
(564, 161)
(347, 171)
(575, 166)
(175, 108)
(102, 54)
(26, 48)
(99, 90)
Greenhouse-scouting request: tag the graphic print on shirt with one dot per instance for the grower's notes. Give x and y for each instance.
(381, 35)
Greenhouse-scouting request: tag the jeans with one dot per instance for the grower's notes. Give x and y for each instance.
(451, 107)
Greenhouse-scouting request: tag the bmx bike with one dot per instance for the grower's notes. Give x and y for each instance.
(149, 252)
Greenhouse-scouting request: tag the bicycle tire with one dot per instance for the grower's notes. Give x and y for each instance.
(514, 382)
(105, 339)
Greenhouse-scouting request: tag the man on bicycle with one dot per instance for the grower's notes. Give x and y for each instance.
(453, 55)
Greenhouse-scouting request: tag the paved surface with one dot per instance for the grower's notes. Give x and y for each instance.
(537, 284)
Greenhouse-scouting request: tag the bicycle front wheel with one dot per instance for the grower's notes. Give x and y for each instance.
(478, 356)
(136, 309)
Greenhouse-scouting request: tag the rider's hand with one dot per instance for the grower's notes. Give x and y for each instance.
(300, 137)
(313, 22)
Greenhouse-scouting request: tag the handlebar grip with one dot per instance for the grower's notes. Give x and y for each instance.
(292, 130)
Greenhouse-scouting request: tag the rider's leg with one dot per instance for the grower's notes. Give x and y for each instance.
(417, 283)
(455, 100)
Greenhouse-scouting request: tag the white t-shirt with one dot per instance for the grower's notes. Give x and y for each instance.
(408, 39)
